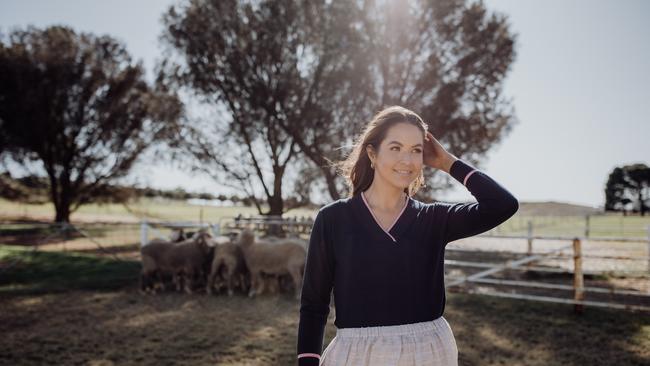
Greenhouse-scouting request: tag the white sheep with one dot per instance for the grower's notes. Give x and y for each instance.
(274, 258)
(186, 260)
(229, 266)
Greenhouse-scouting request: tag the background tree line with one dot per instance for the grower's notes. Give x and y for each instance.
(35, 189)
(628, 189)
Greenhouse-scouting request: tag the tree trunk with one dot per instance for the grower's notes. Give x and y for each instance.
(330, 179)
(62, 198)
(62, 213)
(642, 207)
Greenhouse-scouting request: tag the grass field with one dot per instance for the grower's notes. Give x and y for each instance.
(167, 210)
(66, 309)
(75, 300)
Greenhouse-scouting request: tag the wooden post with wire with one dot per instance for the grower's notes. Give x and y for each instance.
(578, 279)
(530, 242)
(648, 248)
(144, 228)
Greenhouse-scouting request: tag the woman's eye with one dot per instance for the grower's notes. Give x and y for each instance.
(397, 147)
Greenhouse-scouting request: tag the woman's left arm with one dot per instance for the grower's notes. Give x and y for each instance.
(494, 205)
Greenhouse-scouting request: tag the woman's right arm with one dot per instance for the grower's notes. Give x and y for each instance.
(317, 285)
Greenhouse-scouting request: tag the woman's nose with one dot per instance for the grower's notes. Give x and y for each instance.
(405, 157)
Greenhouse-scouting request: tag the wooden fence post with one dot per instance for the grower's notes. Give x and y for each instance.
(143, 232)
(530, 243)
(578, 280)
(530, 237)
(648, 248)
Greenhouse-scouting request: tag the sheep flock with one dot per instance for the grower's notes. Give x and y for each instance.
(239, 263)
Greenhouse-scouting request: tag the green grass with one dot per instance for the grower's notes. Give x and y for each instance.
(603, 226)
(26, 271)
(27, 229)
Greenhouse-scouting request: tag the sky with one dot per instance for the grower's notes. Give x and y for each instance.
(579, 86)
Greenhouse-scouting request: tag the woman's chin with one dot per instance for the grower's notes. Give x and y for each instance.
(403, 184)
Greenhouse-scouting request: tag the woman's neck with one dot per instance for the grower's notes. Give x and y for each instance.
(384, 197)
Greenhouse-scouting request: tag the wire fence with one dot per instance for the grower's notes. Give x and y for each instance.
(604, 270)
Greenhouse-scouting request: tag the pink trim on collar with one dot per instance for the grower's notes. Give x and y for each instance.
(377, 221)
(467, 176)
(309, 355)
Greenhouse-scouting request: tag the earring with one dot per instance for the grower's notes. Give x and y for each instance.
(372, 165)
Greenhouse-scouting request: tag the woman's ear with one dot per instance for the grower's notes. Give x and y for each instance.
(371, 152)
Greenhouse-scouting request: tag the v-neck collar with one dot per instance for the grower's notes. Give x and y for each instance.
(398, 225)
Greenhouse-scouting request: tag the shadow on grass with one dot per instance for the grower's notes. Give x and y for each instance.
(113, 249)
(28, 235)
(28, 272)
(40, 233)
(122, 327)
(495, 331)
(126, 328)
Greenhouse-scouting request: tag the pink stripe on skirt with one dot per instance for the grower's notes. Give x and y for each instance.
(430, 343)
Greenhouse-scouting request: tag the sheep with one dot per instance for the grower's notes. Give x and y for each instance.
(177, 235)
(188, 259)
(159, 277)
(228, 264)
(196, 254)
(152, 276)
(282, 282)
(276, 239)
(272, 258)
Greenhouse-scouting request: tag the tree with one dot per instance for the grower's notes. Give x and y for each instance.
(245, 58)
(310, 74)
(628, 185)
(444, 59)
(77, 106)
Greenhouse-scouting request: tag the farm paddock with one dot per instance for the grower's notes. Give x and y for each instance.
(123, 327)
(51, 315)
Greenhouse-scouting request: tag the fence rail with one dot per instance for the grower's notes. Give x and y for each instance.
(578, 288)
(105, 237)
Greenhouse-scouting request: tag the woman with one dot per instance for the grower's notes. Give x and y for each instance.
(382, 252)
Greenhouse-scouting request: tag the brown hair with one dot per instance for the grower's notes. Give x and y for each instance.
(356, 166)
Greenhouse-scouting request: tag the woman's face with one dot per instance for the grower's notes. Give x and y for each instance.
(399, 159)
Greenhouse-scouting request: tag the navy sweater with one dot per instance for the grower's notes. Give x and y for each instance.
(382, 278)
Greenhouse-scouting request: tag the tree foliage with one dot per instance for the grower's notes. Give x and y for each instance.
(628, 189)
(297, 80)
(78, 107)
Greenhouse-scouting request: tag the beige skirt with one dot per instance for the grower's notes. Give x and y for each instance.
(430, 343)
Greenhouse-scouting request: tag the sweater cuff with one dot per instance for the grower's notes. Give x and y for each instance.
(461, 171)
(308, 361)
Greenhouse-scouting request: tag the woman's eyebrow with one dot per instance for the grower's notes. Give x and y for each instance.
(400, 144)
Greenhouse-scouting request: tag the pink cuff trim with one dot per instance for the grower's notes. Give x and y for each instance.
(467, 176)
(309, 355)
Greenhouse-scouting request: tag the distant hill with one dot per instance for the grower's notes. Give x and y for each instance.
(553, 208)
(556, 209)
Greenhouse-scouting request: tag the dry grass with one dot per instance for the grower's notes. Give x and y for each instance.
(125, 328)
(52, 311)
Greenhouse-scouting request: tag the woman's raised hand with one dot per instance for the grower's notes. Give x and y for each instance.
(435, 156)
